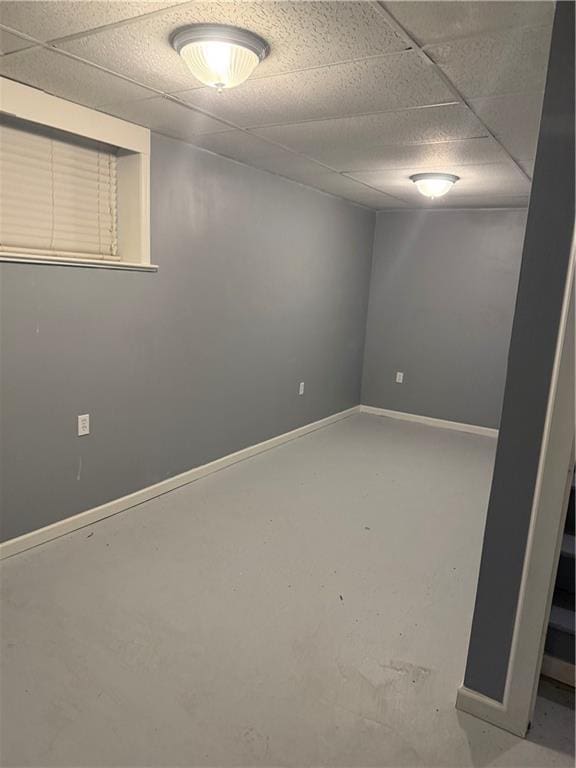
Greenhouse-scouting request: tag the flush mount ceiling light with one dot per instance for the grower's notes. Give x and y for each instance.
(434, 184)
(218, 55)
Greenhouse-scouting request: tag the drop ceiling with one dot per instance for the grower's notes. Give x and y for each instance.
(353, 99)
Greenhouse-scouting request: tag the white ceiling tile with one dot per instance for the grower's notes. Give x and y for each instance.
(165, 116)
(11, 42)
(506, 62)
(339, 88)
(50, 19)
(422, 156)
(256, 152)
(528, 166)
(476, 181)
(432, 22)
(68, 78)
(514, 119)
(417, 156)
(472, 201)
(294, 168)
(373, 85)
(343, 186)
(343, 143)
(252, 150)
(301, 35)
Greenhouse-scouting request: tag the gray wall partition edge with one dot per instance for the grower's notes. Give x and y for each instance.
(541, 287)
(262, 284)
(441, 305)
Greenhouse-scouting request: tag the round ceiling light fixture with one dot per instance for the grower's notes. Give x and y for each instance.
(434, 184)
(219, 55)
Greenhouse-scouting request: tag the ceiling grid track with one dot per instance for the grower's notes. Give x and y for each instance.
(420, 50)
(153, 91)
(97, 30)
(273, 152)
(173, 97)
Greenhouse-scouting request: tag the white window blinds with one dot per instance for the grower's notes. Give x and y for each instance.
(58, 197)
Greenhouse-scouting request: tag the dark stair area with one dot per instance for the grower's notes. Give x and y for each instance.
(559, 649)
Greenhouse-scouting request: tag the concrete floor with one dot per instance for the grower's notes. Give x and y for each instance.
(309, 606)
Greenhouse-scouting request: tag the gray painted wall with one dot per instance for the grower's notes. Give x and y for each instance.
(262, 283)
(441, 305)
(545, 259)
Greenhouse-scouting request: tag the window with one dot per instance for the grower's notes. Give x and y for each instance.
(57, 197)
(73, 183)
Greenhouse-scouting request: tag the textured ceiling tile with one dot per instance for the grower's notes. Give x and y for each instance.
(342, 143)
(301, 34)
(300, 169)
(528, 166)
(432, 22)
(311, 36)
(342, 186)
(472, 201)
(254, 151)
(514, 119)
(507, 62)
(422, 156)
(46, 20)
(374, 85)
(68, 78)
(165, 116)
(11, 42)
(476, 181)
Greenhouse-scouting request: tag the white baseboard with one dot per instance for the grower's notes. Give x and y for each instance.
(430, 421)
(69, 524)
(487, 709)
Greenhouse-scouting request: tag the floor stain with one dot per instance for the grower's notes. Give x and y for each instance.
(258, 745)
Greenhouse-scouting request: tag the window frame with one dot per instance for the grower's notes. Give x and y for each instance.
(133, 170)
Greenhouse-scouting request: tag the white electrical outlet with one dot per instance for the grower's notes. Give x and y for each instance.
(301, 388)
(84, 424)
(399, 377)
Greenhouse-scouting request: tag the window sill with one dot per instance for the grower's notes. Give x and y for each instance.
(125, 266)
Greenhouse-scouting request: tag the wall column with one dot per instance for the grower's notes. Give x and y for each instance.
(535, 447)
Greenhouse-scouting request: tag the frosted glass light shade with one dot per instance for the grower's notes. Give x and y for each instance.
(220, 56)
(434, 184)
(220, 65)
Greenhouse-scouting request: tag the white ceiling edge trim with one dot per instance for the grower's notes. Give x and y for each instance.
(277, 175)
(461, 209)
